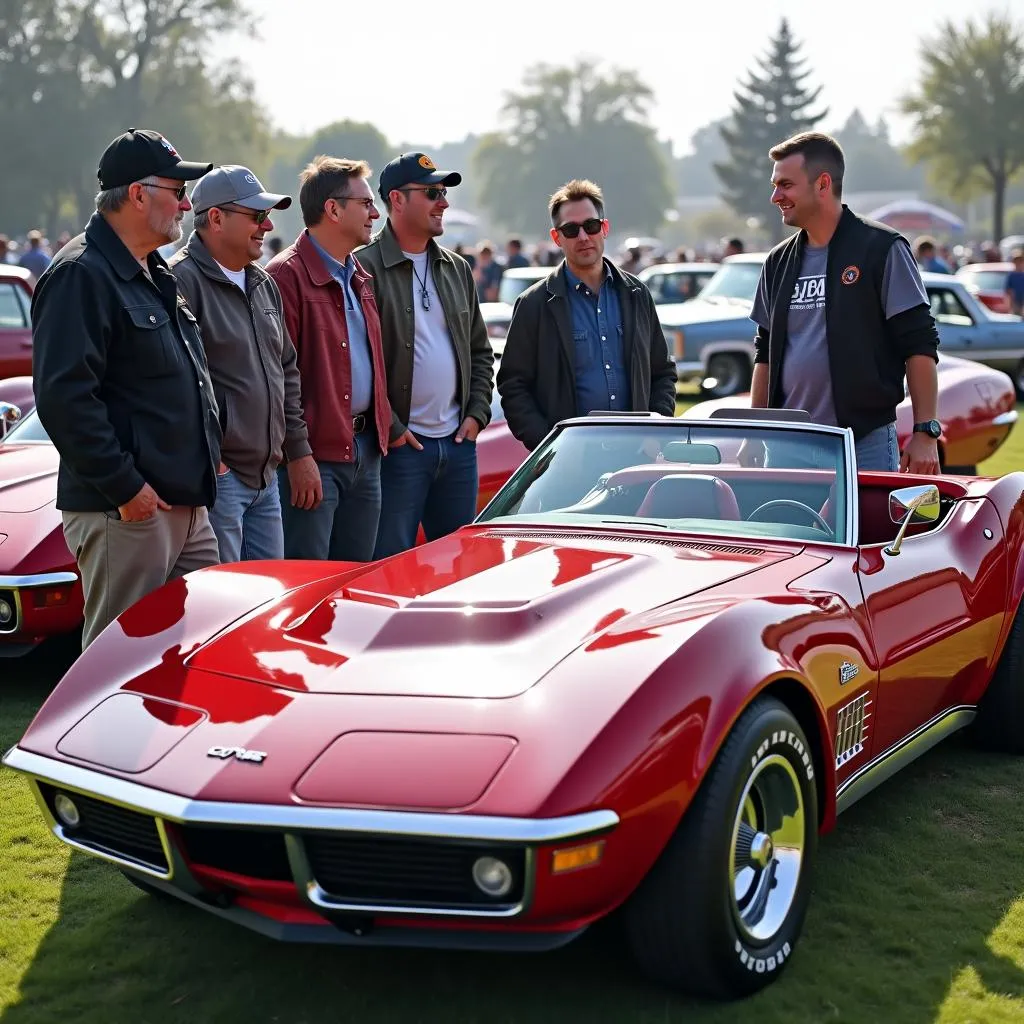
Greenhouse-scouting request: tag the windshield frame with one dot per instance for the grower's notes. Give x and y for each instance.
(21, 426)
(639, 421)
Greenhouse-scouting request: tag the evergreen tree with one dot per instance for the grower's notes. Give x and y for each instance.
(770, 105)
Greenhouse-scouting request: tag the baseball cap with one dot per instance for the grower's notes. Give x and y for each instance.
(414, 169)
(137, 154)
(237, 185)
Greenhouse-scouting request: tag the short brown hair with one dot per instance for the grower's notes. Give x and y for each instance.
(821, 153)
(572, 192)
(324, 177)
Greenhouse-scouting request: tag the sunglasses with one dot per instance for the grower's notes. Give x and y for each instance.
(433, 193)
(366, 204)
(178, 190)
(592, 226)
(257, 215)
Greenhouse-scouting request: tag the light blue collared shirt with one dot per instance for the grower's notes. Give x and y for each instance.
(358, 341)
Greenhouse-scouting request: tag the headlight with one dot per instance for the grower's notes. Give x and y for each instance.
(66, 810)
(6, 612)
(492, 876)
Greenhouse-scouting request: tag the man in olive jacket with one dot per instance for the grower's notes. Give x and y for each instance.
(585, 338)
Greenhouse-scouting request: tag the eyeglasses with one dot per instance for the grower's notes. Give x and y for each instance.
(592, 226)
(366, 204)
(257, 215)
(178, 190)
(433, 193)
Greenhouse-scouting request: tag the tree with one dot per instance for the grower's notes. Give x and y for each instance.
(968, 109)
(873, 163)
(695, 172)
(768, 108)
(356, 140)
(574, 122)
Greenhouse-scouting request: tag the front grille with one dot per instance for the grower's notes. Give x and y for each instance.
(117, 831)
(408, 872)
(240, 851)
(7, 596)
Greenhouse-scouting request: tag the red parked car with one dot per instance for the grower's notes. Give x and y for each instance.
(15, 321)
(645, 678)
(987, 281)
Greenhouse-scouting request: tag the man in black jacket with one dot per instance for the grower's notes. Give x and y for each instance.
(586, 337)
(841, 316)
(122, 387)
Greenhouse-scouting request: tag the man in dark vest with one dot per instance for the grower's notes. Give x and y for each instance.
(842, 316)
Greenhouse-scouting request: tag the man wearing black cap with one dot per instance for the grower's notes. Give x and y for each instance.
(252, 362)
(438, 357)
(122, 387)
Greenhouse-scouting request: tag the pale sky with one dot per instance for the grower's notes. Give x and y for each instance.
(430, 73)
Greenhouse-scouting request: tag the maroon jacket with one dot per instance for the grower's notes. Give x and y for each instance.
(314, 313)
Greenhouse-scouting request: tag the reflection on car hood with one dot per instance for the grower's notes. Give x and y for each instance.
(27, 477)
(698, 311)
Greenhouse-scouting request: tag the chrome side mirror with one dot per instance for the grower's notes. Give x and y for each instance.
(9, 415)
(912, 505)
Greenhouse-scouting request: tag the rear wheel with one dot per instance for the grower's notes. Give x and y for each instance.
(722, 909)
(1018, 380)
(1000, 722)
(730, 375)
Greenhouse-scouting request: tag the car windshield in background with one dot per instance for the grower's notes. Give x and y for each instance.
(28, 429)
(733, 282)
(986, 280)
(513, 285)
(670, 475)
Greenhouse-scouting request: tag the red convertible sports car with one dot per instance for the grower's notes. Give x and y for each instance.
(644, 678)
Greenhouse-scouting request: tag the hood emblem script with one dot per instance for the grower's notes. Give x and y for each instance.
(847, 671)
(239, 753)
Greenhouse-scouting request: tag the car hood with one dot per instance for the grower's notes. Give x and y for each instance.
(27, 477)
(480, 614)
(699, 311)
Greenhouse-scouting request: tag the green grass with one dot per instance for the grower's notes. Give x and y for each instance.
(917, 917)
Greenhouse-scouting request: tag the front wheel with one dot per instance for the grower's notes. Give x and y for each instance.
(727, 375)
(722, 909)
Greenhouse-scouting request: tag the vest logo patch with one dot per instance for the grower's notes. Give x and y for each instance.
(851, 275)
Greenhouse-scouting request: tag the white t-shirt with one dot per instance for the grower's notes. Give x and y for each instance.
(433, 411)
(234, 276)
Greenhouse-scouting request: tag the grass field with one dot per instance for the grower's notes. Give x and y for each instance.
(917, 917)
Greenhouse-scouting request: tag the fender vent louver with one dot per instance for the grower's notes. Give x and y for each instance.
(561, 538)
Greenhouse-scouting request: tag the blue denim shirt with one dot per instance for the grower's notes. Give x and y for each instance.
(358, 342)
(601, 379)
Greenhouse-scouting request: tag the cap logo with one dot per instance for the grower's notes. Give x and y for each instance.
(850, 275)
(170, 149)
(427, 163)
(251, 179)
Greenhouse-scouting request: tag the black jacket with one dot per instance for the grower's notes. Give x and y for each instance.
(120, 378)
(867, 353)
(537, 373)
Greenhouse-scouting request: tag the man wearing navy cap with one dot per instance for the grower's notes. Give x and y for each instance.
(438, 358)
(122, 386)
(252, 362)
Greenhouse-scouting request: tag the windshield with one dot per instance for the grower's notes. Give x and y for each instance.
(27, 429)
(670, 475)
(987, 280)
(512, 286)
(734, 281)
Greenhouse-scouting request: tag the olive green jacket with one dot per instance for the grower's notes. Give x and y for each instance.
(392, 283)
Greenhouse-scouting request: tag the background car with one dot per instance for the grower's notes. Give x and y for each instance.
(16, 285)
(677, 282)
(515, 281)
(987, 282)
(977, 410)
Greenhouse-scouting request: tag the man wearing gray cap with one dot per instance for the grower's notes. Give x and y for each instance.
(252, 363)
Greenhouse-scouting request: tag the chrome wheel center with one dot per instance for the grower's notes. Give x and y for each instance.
(761, 850)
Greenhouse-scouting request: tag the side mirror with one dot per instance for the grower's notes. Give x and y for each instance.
(9, 415)
(908, 505)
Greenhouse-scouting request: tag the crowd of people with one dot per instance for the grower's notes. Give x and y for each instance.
(322, 400)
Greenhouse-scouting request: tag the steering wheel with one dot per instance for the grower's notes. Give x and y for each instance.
(791, 503)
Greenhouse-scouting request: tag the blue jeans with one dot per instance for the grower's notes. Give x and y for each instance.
(247, 521)
(343, 527)
(436, 487)
(877, 450)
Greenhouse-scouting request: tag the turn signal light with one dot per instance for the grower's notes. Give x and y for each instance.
(680, 344)
(577, 857)
(51, 597)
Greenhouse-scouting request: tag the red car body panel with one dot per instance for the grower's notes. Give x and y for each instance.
(15, 324)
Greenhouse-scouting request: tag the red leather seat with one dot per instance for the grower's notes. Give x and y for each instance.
(689, 496)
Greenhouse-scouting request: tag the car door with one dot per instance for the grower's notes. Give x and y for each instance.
(934, 611)
(15, 330)
(957, 328)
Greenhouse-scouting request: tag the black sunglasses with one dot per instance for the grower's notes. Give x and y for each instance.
(433, 193)
(257, 215)
(178, 190)
(366, 204)
(592, 226)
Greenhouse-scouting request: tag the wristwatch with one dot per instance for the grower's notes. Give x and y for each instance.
(933, 428)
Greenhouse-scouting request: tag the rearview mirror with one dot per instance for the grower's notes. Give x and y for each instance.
(685, 451)
(9, 415)
(908, 505)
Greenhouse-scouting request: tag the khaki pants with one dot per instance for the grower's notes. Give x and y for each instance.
(122, 562)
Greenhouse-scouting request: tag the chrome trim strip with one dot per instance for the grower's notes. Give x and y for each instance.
(1005, 419)
(901, 753)
(485, 828)
(44, 579)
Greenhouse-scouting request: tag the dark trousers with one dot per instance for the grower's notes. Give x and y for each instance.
(436, 487)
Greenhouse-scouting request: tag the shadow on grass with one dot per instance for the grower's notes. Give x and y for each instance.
(908, 891)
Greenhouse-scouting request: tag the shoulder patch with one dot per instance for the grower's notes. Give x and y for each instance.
(850, 275)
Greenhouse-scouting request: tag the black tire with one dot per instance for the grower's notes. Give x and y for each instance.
(686, 922)
(731, 373)
(1000, 722)
(1018, 381)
